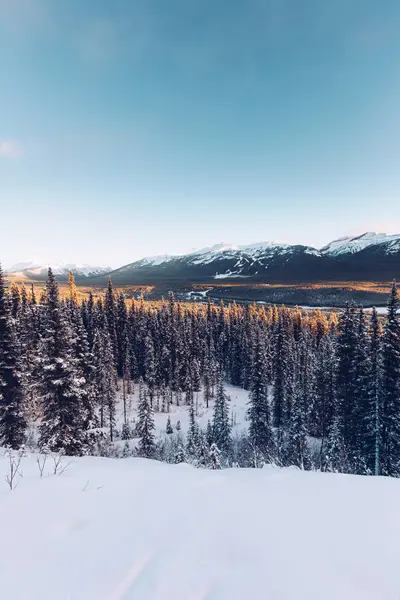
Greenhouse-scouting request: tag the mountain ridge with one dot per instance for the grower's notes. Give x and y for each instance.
(369, 256)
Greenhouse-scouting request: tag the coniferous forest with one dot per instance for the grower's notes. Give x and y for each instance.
(323, 388)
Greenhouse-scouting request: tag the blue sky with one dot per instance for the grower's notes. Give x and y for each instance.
(140, 127)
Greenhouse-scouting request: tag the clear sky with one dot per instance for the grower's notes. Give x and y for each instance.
(140, 127)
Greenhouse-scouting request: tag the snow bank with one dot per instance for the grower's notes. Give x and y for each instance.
(139, 530)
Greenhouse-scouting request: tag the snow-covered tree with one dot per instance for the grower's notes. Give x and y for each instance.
(12, 393)
(63, 421)
(145, 425)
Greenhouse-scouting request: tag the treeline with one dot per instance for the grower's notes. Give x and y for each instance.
(324, 391)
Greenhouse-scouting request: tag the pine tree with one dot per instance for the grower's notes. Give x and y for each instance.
(105, 381)
(168, 428)
(209, 433)
(260, 430)
(111, 316)
(221, 424)
(375, 425)
(127, 387)
(62, 427)
(72, 293)
(297, 452)
(121, 333)
(12, 394)
(280, 408)
(145, 425)
(215, 455)
(364, 400)
(15, 300)
(346, 380)
(390, 433)
(335, 457)
(150, 367)
(192, 442)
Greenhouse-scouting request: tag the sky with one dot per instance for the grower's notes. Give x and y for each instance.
(132, 128)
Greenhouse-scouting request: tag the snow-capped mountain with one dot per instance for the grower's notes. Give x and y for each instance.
(35, 270)
(370, 256)
(222, 261)
(390, 244)
(366, 257)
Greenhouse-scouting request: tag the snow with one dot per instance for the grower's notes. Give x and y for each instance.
(346, 245)
(238, 400)
(155, 260)
(135, 529)
(23, 266)
(59, 268)
(198, 293)
(210, 253)
(381, 310)
(229, 274)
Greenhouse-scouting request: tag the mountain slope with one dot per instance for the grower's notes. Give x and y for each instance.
(389, 244)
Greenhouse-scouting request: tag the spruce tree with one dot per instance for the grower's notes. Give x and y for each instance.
(297, 451)
(12, 394)
(375, 426)
(150, 367)
(192, 441)
(145, 426)
(62, 428)
(168, 428)
(347, 381)
(111, 316)
(221, 424)
(260, 430)
(390, 433)
(105, 380)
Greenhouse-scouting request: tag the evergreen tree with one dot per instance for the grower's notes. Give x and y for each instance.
(150, 367)
(111, 316)
(215, 456)
(168, 428)
(260, 430)
(105, 378)
(374, 430)
(297, 446)
(12, 397)
(192, 442)
(347, 380)
(62, 427)
(209, 433)
(390, 432)
(121, 333)
(221, 424)
(145, 425)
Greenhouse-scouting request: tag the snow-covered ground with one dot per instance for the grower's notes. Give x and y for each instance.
(381, 310)
(238, 406)
(135, 529)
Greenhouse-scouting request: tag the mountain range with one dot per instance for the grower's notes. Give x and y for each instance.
(367, 257)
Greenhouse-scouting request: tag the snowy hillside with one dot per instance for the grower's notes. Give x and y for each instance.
(237, 401)
(136, 529)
